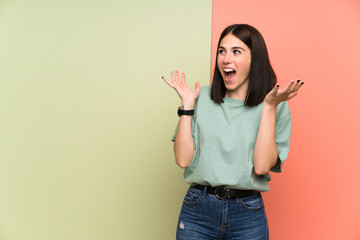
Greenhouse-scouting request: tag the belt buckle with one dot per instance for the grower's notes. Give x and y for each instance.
(221, 192)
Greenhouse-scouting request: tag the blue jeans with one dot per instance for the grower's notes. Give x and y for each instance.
(203, 216)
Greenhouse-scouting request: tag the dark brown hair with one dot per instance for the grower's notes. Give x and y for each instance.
(262, 77)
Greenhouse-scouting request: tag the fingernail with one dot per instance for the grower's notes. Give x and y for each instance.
(298, 80)
(277, 85)
(162, 77)
(302, 83)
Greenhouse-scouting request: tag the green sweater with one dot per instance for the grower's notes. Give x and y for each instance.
(224, 139)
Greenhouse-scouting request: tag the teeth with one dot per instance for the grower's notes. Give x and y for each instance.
(228, 70)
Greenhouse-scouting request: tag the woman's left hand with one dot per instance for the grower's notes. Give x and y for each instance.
(276, 96)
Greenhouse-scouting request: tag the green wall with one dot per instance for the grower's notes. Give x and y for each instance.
(86, 120)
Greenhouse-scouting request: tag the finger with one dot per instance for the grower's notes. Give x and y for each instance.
(287, 88)
(177, 76)
(299, 84)
(292, 86)
(276, 88)
(168, 83)
(172, 77)
(197, 88)
(291, 95)
(183, 78)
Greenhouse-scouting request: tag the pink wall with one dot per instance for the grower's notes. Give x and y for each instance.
(317, 196)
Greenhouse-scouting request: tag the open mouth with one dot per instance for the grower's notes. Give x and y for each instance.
(229, 74)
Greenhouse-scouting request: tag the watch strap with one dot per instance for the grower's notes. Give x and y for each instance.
(181, 112)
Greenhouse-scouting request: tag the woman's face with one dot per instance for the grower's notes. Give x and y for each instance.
(233, 61)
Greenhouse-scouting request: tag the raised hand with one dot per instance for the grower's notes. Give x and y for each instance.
(187, 95)
(276, 96)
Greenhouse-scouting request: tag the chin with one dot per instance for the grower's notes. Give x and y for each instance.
(229, 87)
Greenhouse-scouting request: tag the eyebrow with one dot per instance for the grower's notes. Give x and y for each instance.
(233, 48)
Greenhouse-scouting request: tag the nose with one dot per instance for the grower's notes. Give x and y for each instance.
(227, 58)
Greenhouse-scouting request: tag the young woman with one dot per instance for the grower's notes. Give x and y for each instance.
(229, 136)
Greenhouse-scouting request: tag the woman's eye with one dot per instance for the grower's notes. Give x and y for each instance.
(221, 51)
(237, 52)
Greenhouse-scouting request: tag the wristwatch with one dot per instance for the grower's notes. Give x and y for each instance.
(185, 112)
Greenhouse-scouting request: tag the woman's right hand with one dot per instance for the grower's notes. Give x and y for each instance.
(187, 95)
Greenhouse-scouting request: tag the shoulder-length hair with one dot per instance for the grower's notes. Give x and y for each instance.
(262, 77)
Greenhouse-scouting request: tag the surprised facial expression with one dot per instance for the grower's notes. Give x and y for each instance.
(233, 61)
